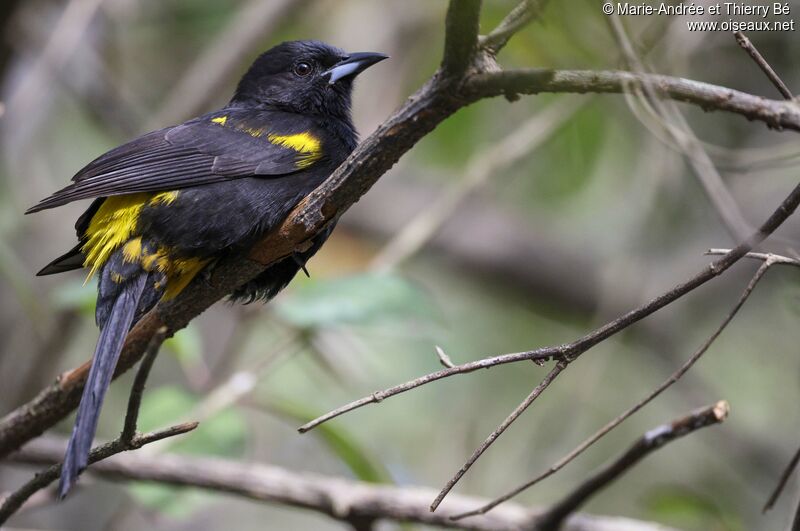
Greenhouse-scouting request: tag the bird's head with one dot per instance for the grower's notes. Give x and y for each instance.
(308, 77)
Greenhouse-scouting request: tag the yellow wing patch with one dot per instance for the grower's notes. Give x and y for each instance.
(309, 146)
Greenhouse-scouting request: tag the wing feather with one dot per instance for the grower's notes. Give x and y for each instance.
(225, 145)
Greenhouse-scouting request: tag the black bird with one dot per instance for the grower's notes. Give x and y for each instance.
(170, 202)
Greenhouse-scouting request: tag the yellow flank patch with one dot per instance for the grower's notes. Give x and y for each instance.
(305, 143)
(111, 226)
(179, 271)
(132, 251)
(165, 198)
(220, 120)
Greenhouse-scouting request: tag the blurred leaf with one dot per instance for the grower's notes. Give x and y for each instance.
(222, 434)
(76, 294)
(168, 500)
(186, 344)
(354, 299)
(364, 466)
(685, 509)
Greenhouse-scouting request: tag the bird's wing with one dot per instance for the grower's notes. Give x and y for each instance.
(225, 145)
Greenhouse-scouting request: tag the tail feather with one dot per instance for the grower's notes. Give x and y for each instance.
(72, 259)
(109, 345)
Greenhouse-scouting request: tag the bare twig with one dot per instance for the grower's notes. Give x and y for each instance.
(519, 17)
(129, 439)
(774, 258)
(762, 63)
(675, 124)
(537, 391)
(430, 105)
(342, 499)
(581, 345)
(137, 389)
(14, 501)
(674, 377)
(648, 443)
(785, 475)
(444, 359)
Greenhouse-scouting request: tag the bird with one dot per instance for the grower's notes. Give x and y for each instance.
(170, 203)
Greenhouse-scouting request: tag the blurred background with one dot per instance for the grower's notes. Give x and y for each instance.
(511, 226)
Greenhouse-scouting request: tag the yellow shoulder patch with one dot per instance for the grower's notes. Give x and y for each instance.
(164, 198)
(220, 120)
(309, 146)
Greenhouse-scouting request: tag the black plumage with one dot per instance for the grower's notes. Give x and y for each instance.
(172, 201)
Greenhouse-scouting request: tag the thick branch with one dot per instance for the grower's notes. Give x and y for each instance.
(776, 114)
(342, 499)
(423, 111)
(11, 503)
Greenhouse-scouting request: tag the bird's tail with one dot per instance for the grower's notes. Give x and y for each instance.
(106, 354)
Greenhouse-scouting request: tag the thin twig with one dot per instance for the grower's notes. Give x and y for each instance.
(519, 17)
(774, 258)
(337, 497)
(674, 123)
(14, 501)
(583, 344)
(429, 106)
(648, 443)
(537, 391)
(137, 389)
(762, 63)
(602, 432)
(129, 439)
(444, 359)
(787, 472)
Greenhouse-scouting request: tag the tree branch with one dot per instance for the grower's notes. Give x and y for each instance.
(647, 444)
(422, 112)
(519, 17)
(342, 499)
(776, 114)
(11, 503)
(129, 439)
(769, 260)
(785, 475)
(519, 410)
(572, 350)
(461, 36)
(762, 63)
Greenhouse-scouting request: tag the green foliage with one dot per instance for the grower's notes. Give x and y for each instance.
(356, 299)
(686, 509)
(223, 434)
(344, 445)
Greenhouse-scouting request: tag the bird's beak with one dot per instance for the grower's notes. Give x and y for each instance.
(353, 64)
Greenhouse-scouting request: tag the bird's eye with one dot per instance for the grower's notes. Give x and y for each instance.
(302, 69)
